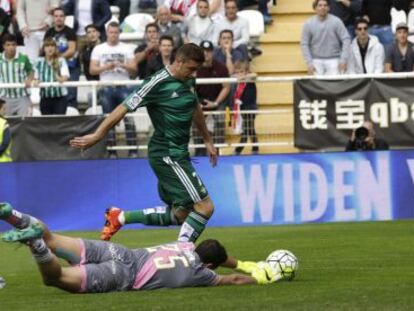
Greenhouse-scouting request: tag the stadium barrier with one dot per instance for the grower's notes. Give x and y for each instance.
(247, 190)
(225, 136)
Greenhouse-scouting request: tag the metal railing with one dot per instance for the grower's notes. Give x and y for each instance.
(268, 136)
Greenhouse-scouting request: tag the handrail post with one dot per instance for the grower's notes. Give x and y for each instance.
(95, 98)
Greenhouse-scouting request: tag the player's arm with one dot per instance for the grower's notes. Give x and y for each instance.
(200, 123)
(110, 121)
(235, 279)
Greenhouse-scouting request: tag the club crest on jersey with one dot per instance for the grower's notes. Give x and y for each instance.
(135, 100)
(174, 95)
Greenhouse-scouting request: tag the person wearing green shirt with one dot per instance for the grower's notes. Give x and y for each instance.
(172, 105)
(15, 67)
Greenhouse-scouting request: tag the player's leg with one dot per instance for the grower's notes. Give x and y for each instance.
(155, 216)
(62, 246)
(196, 220)
(187, 192)
(53, 274)
(14, 217)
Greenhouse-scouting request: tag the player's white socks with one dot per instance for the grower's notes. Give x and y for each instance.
(41, 253)
(121, 218)
(192, 227)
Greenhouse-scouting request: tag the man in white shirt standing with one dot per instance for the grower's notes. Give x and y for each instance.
(367, 53)
(34, 19)
(114, 61)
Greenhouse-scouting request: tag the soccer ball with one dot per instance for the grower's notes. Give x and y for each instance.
(284, 261)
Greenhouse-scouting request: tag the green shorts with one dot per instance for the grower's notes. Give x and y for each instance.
(178, 183)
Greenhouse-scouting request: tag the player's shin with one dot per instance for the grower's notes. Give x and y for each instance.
(14, 217)
(158, 216)
(192, 227)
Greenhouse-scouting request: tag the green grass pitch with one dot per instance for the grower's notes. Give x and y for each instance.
(343, 266)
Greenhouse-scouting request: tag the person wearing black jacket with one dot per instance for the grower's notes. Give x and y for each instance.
(378, 14)
(363, 139)
(4, 25)
(347, 11)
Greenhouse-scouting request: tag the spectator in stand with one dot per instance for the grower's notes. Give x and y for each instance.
(400, 55)
(114, 61)
(378, 14)
(180, 9)
(347, 11)
(51, 67)
(5, 18)
(200, 26)
(147, 50)
(262, 8)
(34, 19)
(367, 53)
(225, 53)
(88, 12)
(65, 38)
(212, 96)
(5, 135)
(15, 68)
(92, 40)
(238, 25)
(243, 97)
(167, 27)
(325, 42)
(163, 58)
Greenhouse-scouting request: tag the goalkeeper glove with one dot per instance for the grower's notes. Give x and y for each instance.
(246, 266)
(265, 274)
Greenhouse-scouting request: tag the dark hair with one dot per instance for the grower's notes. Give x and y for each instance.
(211, 252)
(152, 25)
(227, 31)
(2, 102)
(361, 20)
(91, 26)
(166, 37)
(190, 51)
(316, 2)
(113, 24)
(9, 38)
(59, 8)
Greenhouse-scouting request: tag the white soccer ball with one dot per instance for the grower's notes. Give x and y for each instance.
(285, 262)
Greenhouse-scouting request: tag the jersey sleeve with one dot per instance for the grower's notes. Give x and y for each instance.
(205, 277)
(145, 93)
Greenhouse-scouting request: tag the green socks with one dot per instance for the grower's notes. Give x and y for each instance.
(192, 227)
(158, 216)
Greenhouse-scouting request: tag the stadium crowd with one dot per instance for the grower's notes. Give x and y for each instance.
(357, 37)
(39, 45)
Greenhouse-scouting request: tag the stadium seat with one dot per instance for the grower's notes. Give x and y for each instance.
(396, 18)
(115, 11)
(256, 22)
(113, 19)
(36, 112)
(90, 111)
(70, 21)
(72, 111)
(135, 24)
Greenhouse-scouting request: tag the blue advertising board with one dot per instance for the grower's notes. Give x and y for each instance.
(246, 190)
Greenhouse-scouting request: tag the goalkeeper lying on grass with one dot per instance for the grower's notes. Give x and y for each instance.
(98, 266)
